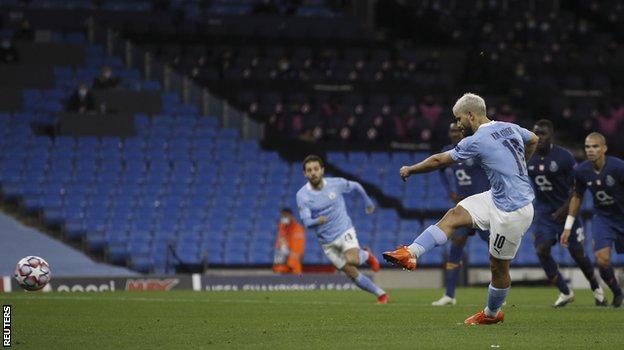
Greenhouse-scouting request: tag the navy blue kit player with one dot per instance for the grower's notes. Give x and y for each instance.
(603, 176)
(551, 170)
(461, 180)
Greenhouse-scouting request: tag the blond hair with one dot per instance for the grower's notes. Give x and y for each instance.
(470, 103)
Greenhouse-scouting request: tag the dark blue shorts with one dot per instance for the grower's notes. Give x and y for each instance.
(607, 233)
(547, 231)
(465, 231)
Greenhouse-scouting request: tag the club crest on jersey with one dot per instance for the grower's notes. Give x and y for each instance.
(553, 166)
(610, 181)
(541, 167)
(598, 182)
(531, 167)
(332, 195)
(469, 162)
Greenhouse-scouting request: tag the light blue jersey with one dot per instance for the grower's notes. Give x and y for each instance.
(328, 202)
(499, 147)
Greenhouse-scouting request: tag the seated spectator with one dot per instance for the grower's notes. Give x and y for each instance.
(609, 122)
(405, 125)
(81, 101)
(430, 110)
(106, 80)
(8, 52)
(25, 32)
(506, 114)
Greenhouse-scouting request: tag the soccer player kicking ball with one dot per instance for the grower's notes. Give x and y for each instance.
(604, 177)
(506, 209)
(323, 210)
(552, 173)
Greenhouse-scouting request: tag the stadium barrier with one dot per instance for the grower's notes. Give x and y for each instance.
(194, 282)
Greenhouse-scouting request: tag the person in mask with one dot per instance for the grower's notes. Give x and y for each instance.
(106, 80)
(81, 101)
(289, 245)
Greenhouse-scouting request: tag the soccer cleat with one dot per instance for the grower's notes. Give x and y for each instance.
(564, 299)
(383, 299)
(481, 318)
(445, 300)
(617, 300)
(599, 297)
(372, 261)
(402, 257)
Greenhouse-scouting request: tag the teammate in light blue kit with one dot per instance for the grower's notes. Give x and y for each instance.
(506, 210)
(323, 210)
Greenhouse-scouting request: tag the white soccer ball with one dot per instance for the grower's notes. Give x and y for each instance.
(32, 273)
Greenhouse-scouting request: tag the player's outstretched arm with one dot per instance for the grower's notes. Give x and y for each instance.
(573, 209)
(434, 162)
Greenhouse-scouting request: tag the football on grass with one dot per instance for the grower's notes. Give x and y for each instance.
(32, 273)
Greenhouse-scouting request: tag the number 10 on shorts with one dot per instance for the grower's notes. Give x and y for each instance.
(499, 241)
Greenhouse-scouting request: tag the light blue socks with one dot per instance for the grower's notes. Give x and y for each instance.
(496, 298)
(366, 284)
(432, 237)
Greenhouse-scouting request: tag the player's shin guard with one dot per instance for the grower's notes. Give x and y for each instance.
(552, 271)
(366, 284)
(583, 262)
(608, 276)
(452, 269)
(432, 237)
(496, 298)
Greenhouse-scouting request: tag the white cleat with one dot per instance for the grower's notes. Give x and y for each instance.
(445, 300)
(599, 297)
(564, 299)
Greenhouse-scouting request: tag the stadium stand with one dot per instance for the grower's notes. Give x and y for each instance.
(19, 241)
(186, 187)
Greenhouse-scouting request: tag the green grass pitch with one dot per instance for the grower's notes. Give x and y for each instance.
(293, 320)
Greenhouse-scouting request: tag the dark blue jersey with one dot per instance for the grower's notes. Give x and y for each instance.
(606, 187)
(552, 177)
(464, 178)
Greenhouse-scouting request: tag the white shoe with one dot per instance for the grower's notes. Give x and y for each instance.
(445, 300)
(564, 299)
(599, 297)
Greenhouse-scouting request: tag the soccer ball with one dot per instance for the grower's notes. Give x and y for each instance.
(32, 273)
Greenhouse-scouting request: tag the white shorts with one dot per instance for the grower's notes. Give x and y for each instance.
(506, 228)
(336, 249)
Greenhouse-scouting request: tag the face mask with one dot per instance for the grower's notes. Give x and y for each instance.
(285, 220)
